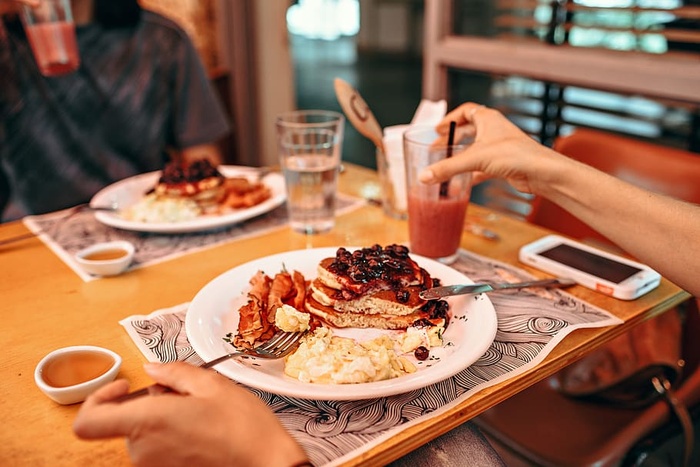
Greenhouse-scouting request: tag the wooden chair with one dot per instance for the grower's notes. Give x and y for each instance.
(541, 426)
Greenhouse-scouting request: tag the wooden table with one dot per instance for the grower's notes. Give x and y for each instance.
(45, 305)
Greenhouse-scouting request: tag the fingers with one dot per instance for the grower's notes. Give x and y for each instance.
(182, 377)
(462, 115)
(14, 7)
(98, 418)
(479, 177)
(446, 168)
(461, 134)
(109, 392)
(31, 3)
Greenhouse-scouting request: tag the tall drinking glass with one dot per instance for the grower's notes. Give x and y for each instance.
(310, 144)
(435, 212)
(51, 34)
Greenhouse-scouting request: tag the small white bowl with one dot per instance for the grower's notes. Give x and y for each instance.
(106, 259)
(68, 375)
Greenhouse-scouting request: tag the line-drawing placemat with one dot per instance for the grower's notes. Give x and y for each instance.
(531, 322)
(67, 232)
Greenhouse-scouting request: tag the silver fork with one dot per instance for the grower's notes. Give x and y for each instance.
(278, 346)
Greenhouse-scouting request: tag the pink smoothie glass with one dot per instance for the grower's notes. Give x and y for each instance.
(51, 34)
(435, 212)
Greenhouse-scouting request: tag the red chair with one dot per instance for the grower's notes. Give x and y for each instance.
(539, 426)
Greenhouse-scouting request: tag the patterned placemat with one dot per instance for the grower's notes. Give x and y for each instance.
(67, 232)
(530, 324)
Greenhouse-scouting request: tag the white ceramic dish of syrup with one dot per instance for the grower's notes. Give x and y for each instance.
(68, 375)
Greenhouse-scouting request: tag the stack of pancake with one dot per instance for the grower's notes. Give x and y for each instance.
(371, 288)
(199, 181)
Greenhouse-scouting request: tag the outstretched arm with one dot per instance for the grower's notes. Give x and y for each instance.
(660, 231)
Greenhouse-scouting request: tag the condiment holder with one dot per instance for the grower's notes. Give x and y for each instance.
(107, 258)
(68, 375)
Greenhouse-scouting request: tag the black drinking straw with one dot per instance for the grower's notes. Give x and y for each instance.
(450, 141)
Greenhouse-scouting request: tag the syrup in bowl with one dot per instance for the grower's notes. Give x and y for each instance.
(105, 255)
(106, 259)
(79, 366)
(70, 374)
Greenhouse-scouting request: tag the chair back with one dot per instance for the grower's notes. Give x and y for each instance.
(670, 171)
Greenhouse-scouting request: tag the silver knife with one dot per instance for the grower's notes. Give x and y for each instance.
(446, 291)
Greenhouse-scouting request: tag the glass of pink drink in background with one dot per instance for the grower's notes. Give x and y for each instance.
(51, 34)
(435, 212)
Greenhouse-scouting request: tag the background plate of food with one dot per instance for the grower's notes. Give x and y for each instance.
(144, 204)
(215, 312)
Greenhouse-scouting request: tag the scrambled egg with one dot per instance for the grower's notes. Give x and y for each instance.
(426, 336)
(324, 358)
(288, 319)
(328, 359)
(152, 208)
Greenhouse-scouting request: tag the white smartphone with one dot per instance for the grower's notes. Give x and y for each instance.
(591, 267)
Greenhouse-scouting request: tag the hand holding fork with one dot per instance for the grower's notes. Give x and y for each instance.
(278, 346)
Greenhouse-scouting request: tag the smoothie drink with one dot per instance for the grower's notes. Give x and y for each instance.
(51, 34)
(54, 46)
(435, 224)
(435, 211)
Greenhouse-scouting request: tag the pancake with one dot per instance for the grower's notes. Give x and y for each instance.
(200, 182)
(376, 287)
(390, 302)
(362, 320)
(372, 269)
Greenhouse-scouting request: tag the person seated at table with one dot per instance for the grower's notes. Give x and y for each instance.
(233, 426)
(140, 97)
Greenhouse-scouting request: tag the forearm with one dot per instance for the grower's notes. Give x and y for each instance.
(659, 231)
(8, 8)
(14, 6)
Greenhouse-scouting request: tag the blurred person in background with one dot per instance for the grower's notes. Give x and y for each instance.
(140, 98)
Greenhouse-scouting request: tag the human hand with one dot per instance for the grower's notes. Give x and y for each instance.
(14, 6)
(500, 149)
(208, 420)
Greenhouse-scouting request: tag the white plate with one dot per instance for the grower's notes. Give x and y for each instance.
(214, 312)
(127, 192)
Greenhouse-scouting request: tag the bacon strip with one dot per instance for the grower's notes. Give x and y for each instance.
(281, 291)
(300, 286)
(253, 325)
(257, 317)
